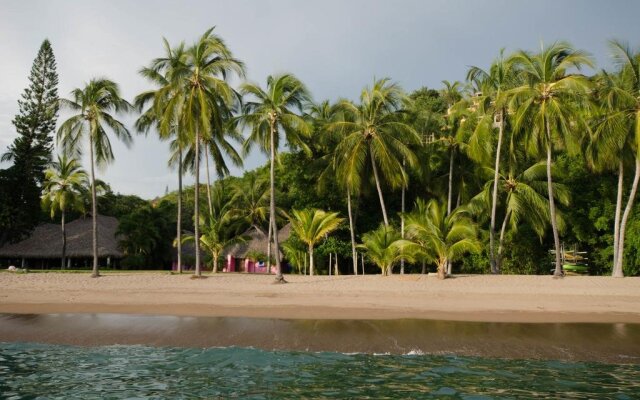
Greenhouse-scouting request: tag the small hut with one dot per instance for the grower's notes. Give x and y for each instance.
(43, 249)
(239, 257)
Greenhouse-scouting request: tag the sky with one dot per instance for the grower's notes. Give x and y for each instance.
(337, 47)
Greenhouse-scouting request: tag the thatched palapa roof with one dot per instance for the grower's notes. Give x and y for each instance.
(46, 240)
(256, 242)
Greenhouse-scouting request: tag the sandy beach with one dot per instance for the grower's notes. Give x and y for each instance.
(462, 298)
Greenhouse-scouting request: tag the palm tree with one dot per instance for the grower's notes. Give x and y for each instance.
(251, 200)
(385, 247)
(200, 100)
(494, 85)
(374, 129)
(161, 73)
(95, 104)
(446, 236)
(617, 134)
(546, 106)
(524, 194)
(218, 228)
(64, 182)
(267, 113)
(313, 225)
(322, 116)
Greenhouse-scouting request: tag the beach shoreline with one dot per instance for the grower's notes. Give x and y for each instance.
(478, 298)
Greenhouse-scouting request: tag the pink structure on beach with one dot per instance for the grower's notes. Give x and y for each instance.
(238, 258)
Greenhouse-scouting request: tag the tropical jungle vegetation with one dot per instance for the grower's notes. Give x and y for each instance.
(495, 173)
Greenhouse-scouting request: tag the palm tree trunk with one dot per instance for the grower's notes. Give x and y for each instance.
(311, 260)
(64, 241)
(618, 271)
(502, 231)
(424, 267)
(450, 195)
(552, 206)
(206, 158)
(215, 255)
(272, 205)
(494, 201)
(96, 272)
(616, 222)
(269, 234)
(197, 206)
(375, 175)
(354, 254)
(402, 219)
(179, 222)
(442, 264)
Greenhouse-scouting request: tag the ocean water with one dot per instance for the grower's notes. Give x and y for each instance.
(48, 371)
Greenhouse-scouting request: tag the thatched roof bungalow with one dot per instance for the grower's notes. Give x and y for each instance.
(238, 257)
(45, 244)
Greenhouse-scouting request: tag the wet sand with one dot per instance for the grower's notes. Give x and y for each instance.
(532, 299)
(611, 343)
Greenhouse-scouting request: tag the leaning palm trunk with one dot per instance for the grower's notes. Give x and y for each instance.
(95, 272)
(272, 206)
(206, 159)
(494, 201)
(448, 265)
(552, 206)
(64, 241)
(179, 222)
(269, 234)
(377, 179)
(197, 207)
(501, 241)
(354, 254)
(616, 222)
(617, 271)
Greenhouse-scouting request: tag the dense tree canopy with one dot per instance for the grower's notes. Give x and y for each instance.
(529, 157)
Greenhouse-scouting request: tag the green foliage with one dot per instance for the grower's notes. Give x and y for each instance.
(146, 233)
(31, 151)
(385, 248)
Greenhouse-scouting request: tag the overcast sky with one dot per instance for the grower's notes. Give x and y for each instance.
(336, 47)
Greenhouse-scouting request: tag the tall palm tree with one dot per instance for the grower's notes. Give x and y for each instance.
(64, 182)
(322, 116)
(494, 85)
(313, 225)
(200, 99)
(161, 74)
(617, 134)
(451, 94)
(546, 106)
(448, 236)
(385, 247)
(267, 112)
(95, 105)
(374, 130)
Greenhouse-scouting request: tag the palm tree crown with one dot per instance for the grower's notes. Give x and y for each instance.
(313, 225)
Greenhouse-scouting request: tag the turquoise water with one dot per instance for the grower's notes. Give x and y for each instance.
(30, 371)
